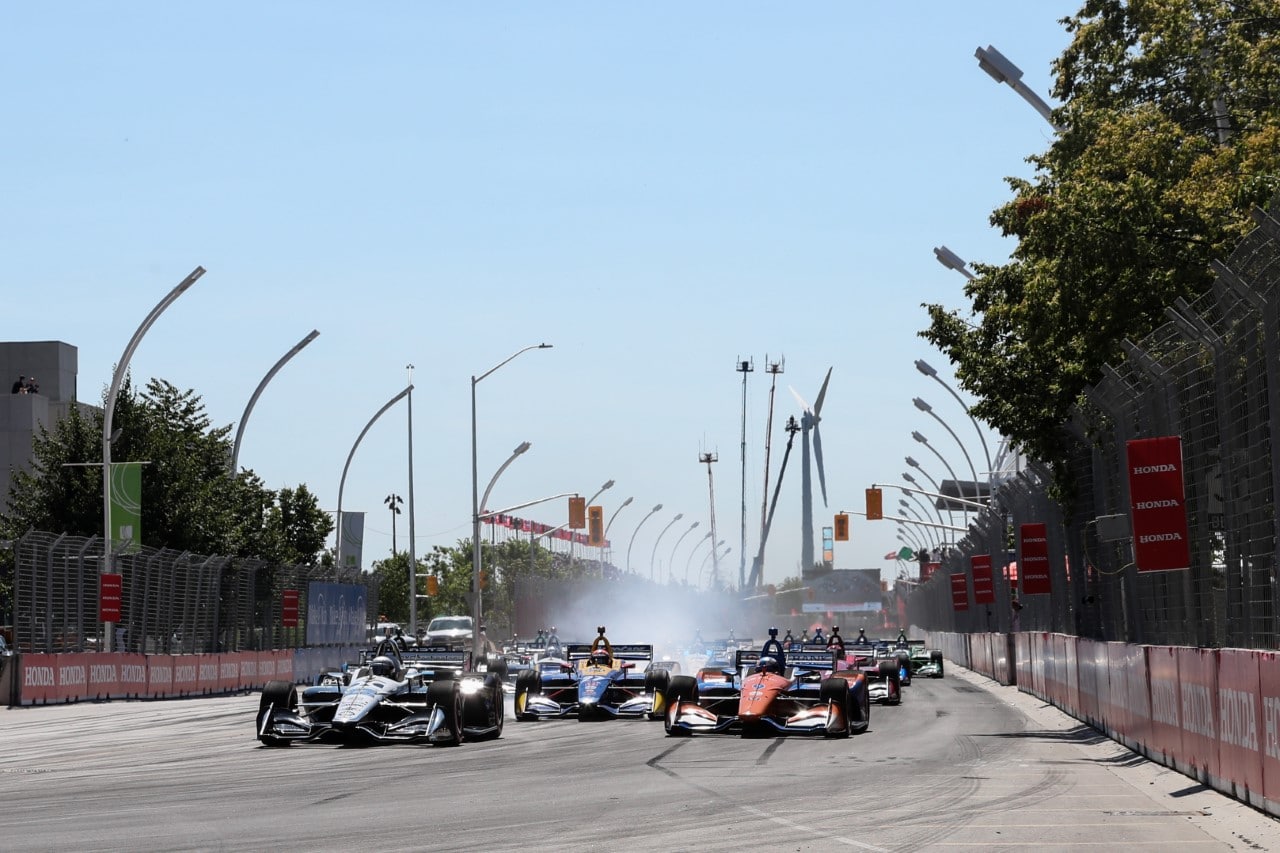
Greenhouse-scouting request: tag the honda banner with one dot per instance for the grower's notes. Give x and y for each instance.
(1034, 565)
(289, 608)
(1157, 504)
(984, 589)
(959, 591)
(109, 586)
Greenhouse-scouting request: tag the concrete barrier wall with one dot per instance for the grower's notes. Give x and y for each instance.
(45, 679)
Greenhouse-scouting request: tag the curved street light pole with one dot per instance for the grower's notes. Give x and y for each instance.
(925, 368)
(475, 498)
(906, 475)
(653, 556)
(1002, 70)
(715, 552)
(625, 503)
(671, 561)
(927, 409)
(694, 550)
(108, 411)
(244, 419)
(637, 530)
(342, 483)
(920, 438)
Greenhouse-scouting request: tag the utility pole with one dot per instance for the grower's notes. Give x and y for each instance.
(393, 501)
(773, 369)
(744, 367)
(708, 458)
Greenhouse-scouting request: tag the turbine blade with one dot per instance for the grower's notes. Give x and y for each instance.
(817, 407)
(804, 407)
(817, 457)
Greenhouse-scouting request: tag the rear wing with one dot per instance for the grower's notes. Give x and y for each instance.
(814, 660)
(436, 658)
(580, 651)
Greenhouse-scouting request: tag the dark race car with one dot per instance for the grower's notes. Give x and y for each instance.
(771, 692)
(596, 681)
(390, 696)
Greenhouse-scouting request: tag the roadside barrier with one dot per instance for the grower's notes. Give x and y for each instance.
(1211, 714)
(48, 679)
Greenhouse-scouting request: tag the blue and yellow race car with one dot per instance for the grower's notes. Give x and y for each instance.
(596, 681)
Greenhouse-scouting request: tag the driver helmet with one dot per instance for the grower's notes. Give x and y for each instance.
(599, 657)
(768, 663)
(382, 665)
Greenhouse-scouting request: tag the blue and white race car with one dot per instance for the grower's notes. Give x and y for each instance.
(595, 681)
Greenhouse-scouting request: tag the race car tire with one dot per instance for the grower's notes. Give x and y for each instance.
(936, 657)
(836, 692)
(447, 696)
(904, 666)
(683, 688)
(860, 709)
(890, 673)
(526, 683)
(277, 694)
(657, 683)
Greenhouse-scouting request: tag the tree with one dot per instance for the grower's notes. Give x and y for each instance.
(1172, 112)
(189, 502)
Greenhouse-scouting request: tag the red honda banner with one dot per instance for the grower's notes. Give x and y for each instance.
(1034, 565)
(928, 570)
(959, 591)
(1157, 504)
(109, 588)
(289, 608)
(984, 588)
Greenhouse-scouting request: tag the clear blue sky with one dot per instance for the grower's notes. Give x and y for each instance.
(658, 190)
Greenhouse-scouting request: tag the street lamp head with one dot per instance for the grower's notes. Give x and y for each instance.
(906, 475)
(523, 446)
(920, 438)
(608, 485)
(997, 66)
(912, 462)
(656, 508)
(921, 404)
(544, 346)
(679, 515)
(624, 503)
(925, 368)
(949, 259)
(903, 502)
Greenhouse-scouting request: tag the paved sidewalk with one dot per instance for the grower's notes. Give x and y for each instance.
(1227, 820)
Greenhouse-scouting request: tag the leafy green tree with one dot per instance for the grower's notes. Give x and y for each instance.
(1172, 116)
(189, 502)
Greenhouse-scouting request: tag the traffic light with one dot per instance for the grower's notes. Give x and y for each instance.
(875, 504)
(842, 528)
(577, 513)
(595, 526)
(433, 585)
(484, 578)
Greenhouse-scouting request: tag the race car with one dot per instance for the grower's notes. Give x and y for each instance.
(390, 696)
(884, 674)
(596, 681)
(771, 692)
(924, 662)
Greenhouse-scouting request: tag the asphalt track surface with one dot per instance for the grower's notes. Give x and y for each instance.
(962, 764)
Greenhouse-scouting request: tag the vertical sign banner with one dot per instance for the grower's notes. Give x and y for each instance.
(352, 540)
(1157, 504)
(828, 546)
(1034, 564)
(959, 591)
(109, 589)
(984, 588)
(289, 608)
(126, 505)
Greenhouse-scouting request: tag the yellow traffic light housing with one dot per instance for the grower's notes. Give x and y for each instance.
(842, 528)
(577, 513)
(595, 526)
(875, 504)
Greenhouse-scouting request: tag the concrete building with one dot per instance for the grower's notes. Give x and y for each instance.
(54, 366)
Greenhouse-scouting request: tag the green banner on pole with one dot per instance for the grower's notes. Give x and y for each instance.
(126, 505)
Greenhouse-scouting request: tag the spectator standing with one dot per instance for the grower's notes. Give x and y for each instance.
(32, 387)
(20, 387)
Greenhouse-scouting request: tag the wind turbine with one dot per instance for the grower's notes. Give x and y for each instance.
(757, 566)
(809, 421)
